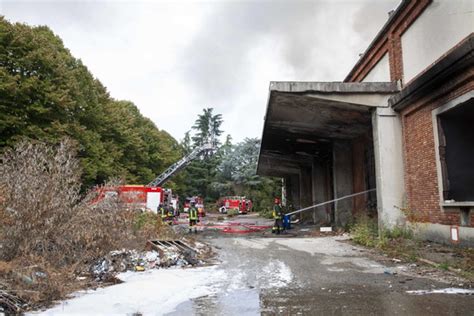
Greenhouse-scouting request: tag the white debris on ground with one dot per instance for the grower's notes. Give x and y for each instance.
(132, 260)
(450, 290)
(153, 292)
(123, 260)
(277, 274)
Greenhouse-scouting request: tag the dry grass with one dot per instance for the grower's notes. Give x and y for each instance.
(49, 233)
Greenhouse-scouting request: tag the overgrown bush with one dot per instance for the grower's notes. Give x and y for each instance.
(48, 232)
(399, 232)
(365, 231)
(397, 242)
(232, 212)
(266, 213)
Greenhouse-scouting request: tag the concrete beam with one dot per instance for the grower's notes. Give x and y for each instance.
(367, 99)
(273, 166)
(339, 87)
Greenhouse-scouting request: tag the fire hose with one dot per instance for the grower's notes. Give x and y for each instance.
(287, 216)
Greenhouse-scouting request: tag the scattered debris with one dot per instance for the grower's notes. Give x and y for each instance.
(389, 272)
(434, 264)
(159, 254)
(451, 290)
(11, 304)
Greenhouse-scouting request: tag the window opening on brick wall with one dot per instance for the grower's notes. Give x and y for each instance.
(456, 151)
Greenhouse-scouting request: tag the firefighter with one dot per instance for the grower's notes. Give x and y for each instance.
(163, 213)
(169, 213)
(193, 217)
(278, 216)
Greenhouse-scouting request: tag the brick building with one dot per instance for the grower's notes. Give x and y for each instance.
(401, 122)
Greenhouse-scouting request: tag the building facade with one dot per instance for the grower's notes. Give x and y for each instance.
(400, 123)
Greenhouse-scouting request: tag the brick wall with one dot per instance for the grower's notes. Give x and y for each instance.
(389, 41)
(421, 179)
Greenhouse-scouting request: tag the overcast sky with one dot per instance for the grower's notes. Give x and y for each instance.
(173, 58)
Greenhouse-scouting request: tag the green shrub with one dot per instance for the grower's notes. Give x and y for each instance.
(365, 231)
(266, 213)
(232, 213)
(143, 219)
(443, 266)
(399, 232)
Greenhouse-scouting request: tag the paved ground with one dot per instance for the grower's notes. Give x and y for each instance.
(260, 273)
(315, 276)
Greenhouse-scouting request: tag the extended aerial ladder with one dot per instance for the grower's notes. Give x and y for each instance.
(207, 147)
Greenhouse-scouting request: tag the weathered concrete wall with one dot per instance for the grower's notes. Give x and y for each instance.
(443, 24)
(387, 133)
(294, 192)
(305, 192)
(342, 177)
(319, 190)
(442, 233)
(359, 175)
(381, 71)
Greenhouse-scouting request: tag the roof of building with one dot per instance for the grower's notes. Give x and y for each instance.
(383, 31)
(302, 118)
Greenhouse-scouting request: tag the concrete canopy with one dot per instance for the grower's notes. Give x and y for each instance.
(303, 118)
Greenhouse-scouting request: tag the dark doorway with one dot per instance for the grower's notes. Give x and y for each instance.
(456, 135)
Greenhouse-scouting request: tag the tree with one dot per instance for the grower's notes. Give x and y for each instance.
(186, 143)
(197, 178)
(47, 94)
(207, 127)
(237, 175)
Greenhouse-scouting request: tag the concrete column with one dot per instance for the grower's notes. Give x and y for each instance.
(388, 150)
(283, 192)
(342, 176)
(305, 191)
(319, 182)
(294, 194)
(359, 175)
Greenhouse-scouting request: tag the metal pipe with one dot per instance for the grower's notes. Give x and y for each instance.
(327, 202)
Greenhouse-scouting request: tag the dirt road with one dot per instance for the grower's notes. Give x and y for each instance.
(276, 275)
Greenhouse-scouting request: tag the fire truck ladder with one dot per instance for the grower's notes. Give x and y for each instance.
(182, 163)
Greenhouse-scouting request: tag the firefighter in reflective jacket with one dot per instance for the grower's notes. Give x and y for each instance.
(163, 213)
(169, 214)
(278, 216)
(193, 217)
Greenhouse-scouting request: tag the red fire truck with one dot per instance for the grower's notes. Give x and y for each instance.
(135, 196)
(152, 195)
(239, 203)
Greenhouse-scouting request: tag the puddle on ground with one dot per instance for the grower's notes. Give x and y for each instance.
(237, 302)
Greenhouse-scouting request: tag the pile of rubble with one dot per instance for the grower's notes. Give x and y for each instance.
(10, 304)
(159, 254)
